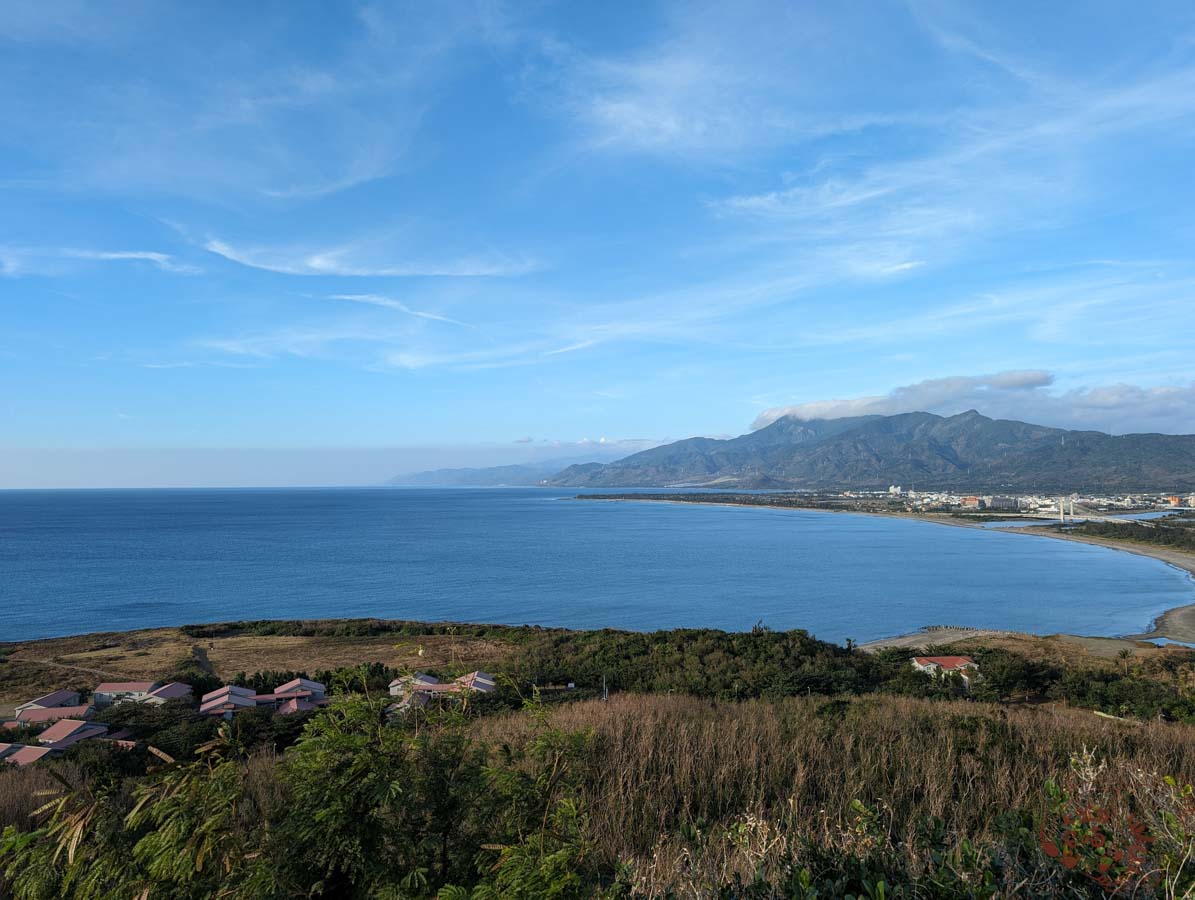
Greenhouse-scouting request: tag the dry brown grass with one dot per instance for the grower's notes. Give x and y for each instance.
(1071, 651)
(663, 761)
(24, 789)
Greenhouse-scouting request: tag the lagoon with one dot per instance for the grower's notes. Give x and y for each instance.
(102, 560)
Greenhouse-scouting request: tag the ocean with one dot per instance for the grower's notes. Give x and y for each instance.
(101, 560)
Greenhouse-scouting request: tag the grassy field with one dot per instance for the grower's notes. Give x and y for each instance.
(31, 667)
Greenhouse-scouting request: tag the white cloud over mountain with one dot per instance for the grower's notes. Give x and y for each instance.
(1023, 394)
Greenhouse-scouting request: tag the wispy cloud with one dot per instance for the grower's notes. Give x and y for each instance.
(1024, 165)
(347, 261)
(1083, 307)
(497, 356)
(230, 123)
(710, 80)
(1026, 395)
(399, 306)
(163, 261)
(48, 260)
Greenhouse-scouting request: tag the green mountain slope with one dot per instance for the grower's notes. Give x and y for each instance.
(967, 451)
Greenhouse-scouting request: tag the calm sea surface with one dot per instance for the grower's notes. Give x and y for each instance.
(75, 561)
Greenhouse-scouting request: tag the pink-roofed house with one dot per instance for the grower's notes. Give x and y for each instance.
(227, 689)
(9, 749)
(26, 755)
(417, 690)
(66, 732)
(175, 690)
(302, 686)
(482, 682)
(54, 713)
(110, 692)
(298, 695)
(52, 699)
(296, 705)
(227, 700)
(401, 686)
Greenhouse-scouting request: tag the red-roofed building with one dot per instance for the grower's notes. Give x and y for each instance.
(302, 686)
(66, 732)
(479, 681)
(31, 716)
(175, 690)
(296, 705)
(400, 687)
(26, 755)
(418, 689)
(110, 692)
(938, 666)
(292, 697)
(227, 689)
(51, 700)
(227, 700)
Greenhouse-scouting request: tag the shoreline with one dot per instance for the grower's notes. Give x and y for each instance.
(1175, 624)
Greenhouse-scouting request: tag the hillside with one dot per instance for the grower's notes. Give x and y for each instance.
(759, 764)
(968, 451)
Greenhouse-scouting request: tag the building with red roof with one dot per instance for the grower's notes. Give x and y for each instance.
(418, 690)
(227, 700)
(302, 686)
(940, 666)
(25, 754)
(296, 695)
(67, 732)
(51, 700)
(174, 690)
(54, 713)
(110, 692)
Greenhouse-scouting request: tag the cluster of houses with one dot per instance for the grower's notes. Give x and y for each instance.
(418, 690)
(296, 695)
(67, 719)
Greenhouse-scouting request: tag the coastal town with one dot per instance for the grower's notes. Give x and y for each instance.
(1039, 505)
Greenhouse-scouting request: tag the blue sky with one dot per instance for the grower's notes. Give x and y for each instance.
(373, 238)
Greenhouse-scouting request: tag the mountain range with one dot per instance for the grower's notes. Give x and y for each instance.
(920, 450)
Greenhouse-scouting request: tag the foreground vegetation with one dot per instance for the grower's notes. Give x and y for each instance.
(639, 796)
(764, 764)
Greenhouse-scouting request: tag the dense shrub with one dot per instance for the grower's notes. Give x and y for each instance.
(638, 796)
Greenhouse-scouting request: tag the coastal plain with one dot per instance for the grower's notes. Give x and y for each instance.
(224, 650)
